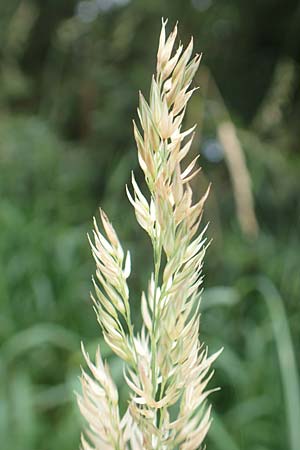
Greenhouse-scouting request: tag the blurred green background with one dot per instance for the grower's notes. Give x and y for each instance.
(70, 72)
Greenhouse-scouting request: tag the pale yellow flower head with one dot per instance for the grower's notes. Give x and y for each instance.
(164, 364)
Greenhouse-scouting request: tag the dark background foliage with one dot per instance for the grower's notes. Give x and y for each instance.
(70, 71)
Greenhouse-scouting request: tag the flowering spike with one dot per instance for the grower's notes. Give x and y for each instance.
(164, 363)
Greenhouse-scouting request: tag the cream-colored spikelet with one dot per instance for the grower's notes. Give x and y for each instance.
(166, 367)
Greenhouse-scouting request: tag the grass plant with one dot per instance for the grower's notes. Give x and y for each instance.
(166, 368)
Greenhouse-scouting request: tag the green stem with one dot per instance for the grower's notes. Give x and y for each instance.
(163, 385)
(157, 262)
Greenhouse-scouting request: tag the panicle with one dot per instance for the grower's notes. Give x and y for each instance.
(165, 364)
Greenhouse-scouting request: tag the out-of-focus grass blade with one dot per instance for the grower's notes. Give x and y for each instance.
(250, 410)
(35, 336)
(219, 296)
(233, 366)
(220, 436)
(52, 397)
(286, 356)
(23, 414)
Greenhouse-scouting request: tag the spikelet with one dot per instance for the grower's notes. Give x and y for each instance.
(165, 365)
